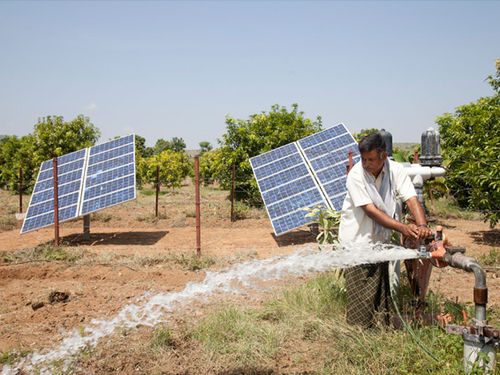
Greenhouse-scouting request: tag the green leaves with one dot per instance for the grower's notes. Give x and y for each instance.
(328, 221)
(243, 139)
(471, 145)
(52, 136)
(174, 167)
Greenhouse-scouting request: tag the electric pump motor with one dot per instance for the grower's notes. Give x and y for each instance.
(431, 149)
(388, 141)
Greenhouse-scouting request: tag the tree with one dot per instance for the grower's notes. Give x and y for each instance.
(471, 145)
(364, 133)
(176, 144)
(260, 133)
(174, 167)
(51, 137)
(140, 147)
(205, 146)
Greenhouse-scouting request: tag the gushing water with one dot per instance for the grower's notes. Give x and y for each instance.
(240, 278)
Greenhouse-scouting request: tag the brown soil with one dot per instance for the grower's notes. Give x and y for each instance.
(31, 319)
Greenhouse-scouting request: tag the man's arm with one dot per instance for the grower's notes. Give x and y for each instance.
(419, 215)
(409, 230)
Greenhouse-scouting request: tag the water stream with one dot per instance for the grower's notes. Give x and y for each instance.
(152, 309)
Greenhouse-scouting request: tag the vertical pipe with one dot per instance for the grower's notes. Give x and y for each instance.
(197, 193)
(232, 194)
(56, 203)
(20, 190)
(157, 188)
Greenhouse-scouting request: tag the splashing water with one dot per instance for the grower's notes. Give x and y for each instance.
(153, 309)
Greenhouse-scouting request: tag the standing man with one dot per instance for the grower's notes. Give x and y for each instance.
(373, 187)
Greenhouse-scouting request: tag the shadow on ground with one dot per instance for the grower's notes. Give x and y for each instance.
(296, 237)
(119, 238)
(487, 237)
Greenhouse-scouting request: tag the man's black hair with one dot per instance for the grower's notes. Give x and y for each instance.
(373, 141)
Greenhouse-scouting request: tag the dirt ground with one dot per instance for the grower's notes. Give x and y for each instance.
(29, 321)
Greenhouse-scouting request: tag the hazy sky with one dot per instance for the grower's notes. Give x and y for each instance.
(176, 69)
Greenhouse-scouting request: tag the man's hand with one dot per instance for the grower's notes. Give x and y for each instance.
(410, 230)
(424, 232)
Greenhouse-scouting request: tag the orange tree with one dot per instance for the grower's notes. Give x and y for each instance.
(243, 139)
(471, 145)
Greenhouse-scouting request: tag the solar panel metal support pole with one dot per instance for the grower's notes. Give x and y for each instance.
(86, 227)
(232, 194)
(20, 190)
(197, 193)
(56, 203)
(157, 189)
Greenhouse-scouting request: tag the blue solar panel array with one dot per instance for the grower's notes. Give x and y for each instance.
(302, 174)
(327, 153)
(287, 187)
(88, 180)
(40, 211)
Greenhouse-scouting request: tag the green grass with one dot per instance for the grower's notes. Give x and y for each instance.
(446, 207)
(43, 252)
(492, 259)
(191, 262)
(312, 315)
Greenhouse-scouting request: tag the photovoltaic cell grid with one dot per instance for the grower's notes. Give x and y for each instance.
(40, 211)
(327, 153)
(88, 180)
(302, 174)
(110, 175)
(287, 187)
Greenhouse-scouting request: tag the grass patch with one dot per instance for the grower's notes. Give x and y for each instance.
(446, 207)
(43, 252)
(162, 338)
(492, 259)
(11, 356)
(191, 262)
(310, 317)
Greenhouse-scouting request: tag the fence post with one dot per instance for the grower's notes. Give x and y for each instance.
(20, 190)
(197, 193)
(232, 194)
(56, 202)
(157, 188)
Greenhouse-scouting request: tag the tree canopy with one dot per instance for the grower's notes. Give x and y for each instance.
(471, 145)
(52, 136)
(243, 139)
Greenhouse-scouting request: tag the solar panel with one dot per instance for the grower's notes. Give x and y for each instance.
(88, 180)
(327, 153)
(302, 174)
(287, 187)
(110, 177)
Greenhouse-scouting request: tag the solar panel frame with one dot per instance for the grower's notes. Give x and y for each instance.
(287, 187)
(73, 171)
(107, 159)
(324, 156)
(332, 145)
(41, 207)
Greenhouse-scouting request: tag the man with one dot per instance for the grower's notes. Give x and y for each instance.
(374, 186)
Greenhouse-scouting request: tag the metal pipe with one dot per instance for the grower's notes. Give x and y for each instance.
(458, 260)
(476, 346)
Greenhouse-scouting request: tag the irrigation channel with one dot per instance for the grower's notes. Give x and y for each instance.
(240, 278)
